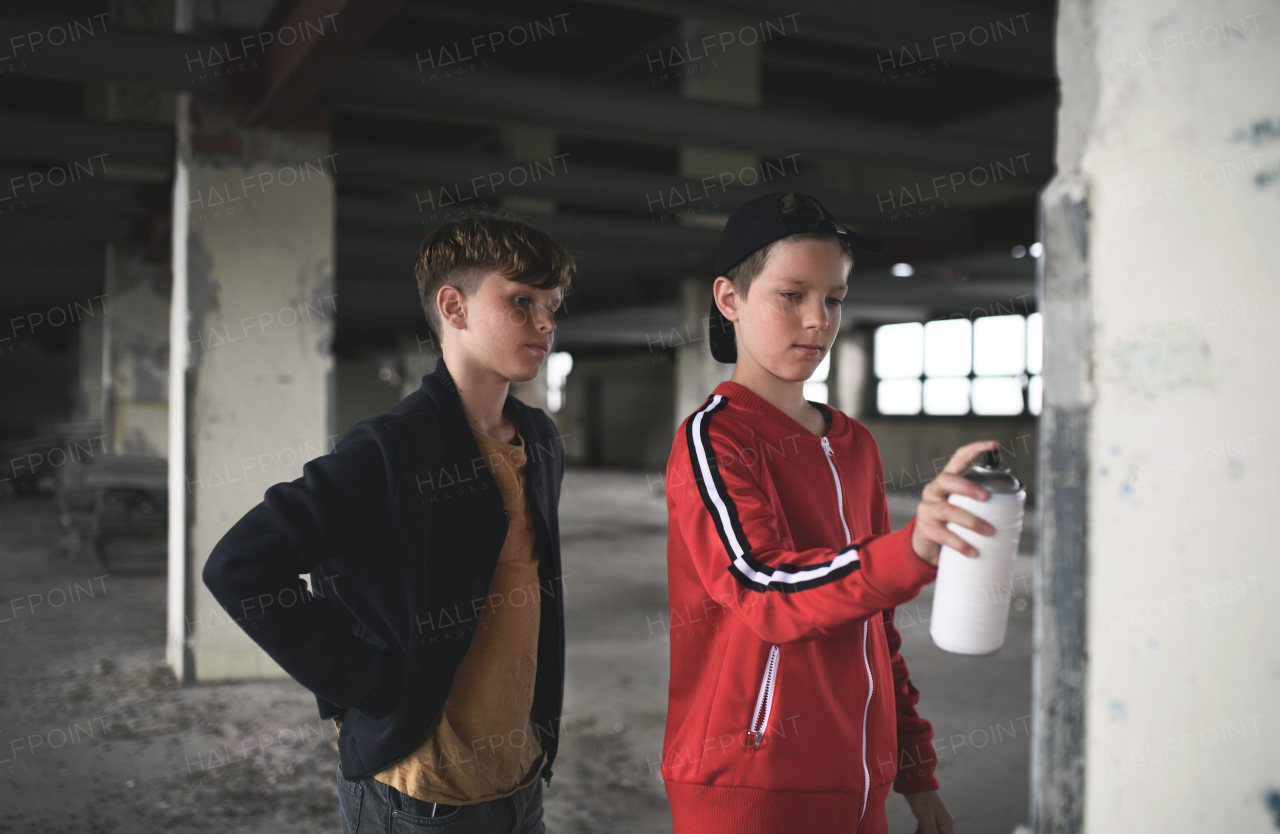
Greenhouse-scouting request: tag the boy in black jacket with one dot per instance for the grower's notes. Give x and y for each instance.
(435, 634)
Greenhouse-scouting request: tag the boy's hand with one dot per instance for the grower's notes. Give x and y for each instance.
(932, 816)
(934, 512)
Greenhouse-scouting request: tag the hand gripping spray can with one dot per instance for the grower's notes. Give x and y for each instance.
(972, 594)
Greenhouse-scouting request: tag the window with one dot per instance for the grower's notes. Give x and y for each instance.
(955, 366)
(815, 387)
(899, 362)
(1035, 360)
(559, 364)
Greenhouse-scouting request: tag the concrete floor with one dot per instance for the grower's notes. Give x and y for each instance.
(98, 737)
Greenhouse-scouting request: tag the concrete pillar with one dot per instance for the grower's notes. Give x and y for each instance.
(136, 352)
(251, 394)
(1156, 668)
(697, 371)
(528, 143)
(89, 368)
(735, 80)
(850, 375)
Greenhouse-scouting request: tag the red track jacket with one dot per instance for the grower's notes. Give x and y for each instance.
(790, 707)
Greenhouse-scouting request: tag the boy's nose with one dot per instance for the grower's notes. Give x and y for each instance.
(544, 319)
(817, 319)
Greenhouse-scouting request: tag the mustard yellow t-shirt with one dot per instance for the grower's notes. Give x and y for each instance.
(483, 745)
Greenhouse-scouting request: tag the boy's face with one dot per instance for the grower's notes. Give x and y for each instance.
(791, 314)
(504, 326)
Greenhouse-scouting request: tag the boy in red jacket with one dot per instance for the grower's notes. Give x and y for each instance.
(790, 707)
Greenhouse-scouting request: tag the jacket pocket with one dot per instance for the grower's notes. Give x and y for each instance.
(764, 701)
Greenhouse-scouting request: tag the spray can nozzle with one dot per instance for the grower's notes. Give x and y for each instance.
(988, 472)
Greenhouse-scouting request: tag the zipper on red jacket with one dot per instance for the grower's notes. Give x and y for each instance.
(831, 461)
(764, 701)
(871, 684)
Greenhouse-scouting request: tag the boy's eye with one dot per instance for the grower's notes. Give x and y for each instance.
(790, 295)
(836, 301)
(521, 301)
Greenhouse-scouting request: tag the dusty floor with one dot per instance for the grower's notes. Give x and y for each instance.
(96, 736)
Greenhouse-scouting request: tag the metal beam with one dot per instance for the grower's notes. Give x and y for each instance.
(61, 229)
(477, 176)
(296, 71)
(570, 229)
(59, 139)
(648, 117)
(122, 55)
(359, 255)
(188, 62)
(874, 24)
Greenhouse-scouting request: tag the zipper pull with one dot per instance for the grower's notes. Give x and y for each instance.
(826, 446)
(753, 739)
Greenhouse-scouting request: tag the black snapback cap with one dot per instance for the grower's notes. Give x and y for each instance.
(754, 225)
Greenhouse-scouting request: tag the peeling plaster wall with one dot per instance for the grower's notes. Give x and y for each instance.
(1159, 296)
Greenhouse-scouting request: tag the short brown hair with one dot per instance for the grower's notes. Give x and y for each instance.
(797, 208)
(459, 254)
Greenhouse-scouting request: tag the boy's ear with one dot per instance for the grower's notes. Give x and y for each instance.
(452, 307)
(726, 296)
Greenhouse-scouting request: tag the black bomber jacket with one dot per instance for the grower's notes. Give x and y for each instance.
(399, 527)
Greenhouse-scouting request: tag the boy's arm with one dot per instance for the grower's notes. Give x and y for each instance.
(325, 517)
(917, 758)
(784, 595)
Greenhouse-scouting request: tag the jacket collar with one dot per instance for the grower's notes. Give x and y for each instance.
(746, 398)
(440, 387)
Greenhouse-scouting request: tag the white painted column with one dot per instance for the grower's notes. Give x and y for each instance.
(1158, 663)
(252, 379)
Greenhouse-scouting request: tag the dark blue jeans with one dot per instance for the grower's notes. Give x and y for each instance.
(370, 807)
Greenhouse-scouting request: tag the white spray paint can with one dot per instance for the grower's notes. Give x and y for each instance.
(972, 595)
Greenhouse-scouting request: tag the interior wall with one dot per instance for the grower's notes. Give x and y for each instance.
(617, 411)
(914, 449)
(362, 393)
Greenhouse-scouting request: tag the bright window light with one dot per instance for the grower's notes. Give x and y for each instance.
(903, 270)
(946, 395)
(824, 368)
(559, 364)
(994, 395)
(815, 387)
(1035, 395)
(899, 351)
(815, 392)
(898, 396)
(1035, 343)
(948, 349)
(999, 346)
(979, 367)
(1037, 249)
